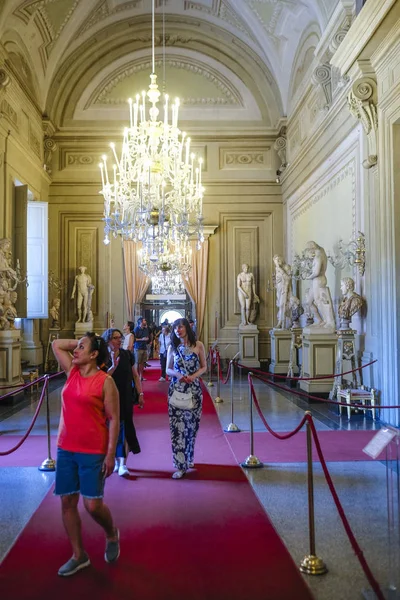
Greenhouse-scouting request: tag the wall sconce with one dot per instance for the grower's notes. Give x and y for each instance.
(350, 255)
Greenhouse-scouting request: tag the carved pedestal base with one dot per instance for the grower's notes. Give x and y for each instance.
(346, 351)
(319, 356)
(280, 351)
(295, 344)
(82, 328)
(248, 346)
(10, 359)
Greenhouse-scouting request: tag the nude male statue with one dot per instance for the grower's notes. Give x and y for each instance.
(319, 295)
(83, 287)
(247, 295)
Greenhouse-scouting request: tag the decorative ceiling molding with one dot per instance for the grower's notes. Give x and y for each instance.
(229, 96)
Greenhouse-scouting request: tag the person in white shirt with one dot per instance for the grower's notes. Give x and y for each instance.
(164, 340)
(129, 336)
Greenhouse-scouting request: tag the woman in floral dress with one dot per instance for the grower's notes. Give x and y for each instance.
(186, 362)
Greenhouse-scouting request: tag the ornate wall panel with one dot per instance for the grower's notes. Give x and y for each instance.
(80, 243)
(245, 239)
(244, 158)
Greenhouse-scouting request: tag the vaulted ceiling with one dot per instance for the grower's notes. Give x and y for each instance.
(228, 60)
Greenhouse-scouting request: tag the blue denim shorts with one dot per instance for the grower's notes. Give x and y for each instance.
(79, 473)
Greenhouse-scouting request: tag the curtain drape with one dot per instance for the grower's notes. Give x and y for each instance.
(196, 284)
(136, 282)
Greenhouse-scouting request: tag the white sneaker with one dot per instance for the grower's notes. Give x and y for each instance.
(162, 379)
(123, 471)
(178, 474)
(116, 466)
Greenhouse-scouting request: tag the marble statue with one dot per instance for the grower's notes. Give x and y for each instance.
(248, 298)
(319, 295)
(350, 303)
(10, 312)
(307, 308)
(6, 270)
(83, 289)
(296, 310)
(55, 313)
(283, 282)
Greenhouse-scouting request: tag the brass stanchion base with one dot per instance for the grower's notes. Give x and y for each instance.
(252, 462)
(48, 465)
(218, 400)
(312, 565)
(210, 384)
(232, 428)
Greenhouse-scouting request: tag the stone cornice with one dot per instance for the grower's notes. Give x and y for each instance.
(340, 19)
(295, 173)
(364, 26)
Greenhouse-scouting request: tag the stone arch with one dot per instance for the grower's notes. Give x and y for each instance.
(117, 41)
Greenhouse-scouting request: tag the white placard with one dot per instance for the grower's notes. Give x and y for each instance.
(380, 441)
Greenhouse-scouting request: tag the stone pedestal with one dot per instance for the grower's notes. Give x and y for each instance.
(346, 351)
(248, 346)
(280, 351)
(296, 343)
(31, 346)
(51, 363)
(319, 358)
(10, 358)
(82, 328)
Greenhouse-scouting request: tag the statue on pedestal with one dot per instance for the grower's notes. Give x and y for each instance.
(319, 295)
(247, 296)
(9, 279)
(83, 288)
(349, 304)
(283, 282)
(55, 313)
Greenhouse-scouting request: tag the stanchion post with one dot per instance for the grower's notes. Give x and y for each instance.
(218, 398)
(210, 382)
(311, 564)
(232, 428)
(49, 464)
(251, 461)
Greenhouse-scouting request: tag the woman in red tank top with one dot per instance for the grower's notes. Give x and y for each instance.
(87, 438)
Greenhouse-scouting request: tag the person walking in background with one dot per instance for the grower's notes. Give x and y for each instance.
(142, 338)
(87, 438)
(164, 340)
(121, 366)
(186, 362)
(129, 336)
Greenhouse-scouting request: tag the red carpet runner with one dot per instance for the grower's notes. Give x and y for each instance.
(205, 537)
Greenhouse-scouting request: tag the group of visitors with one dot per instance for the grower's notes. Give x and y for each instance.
(96, 431)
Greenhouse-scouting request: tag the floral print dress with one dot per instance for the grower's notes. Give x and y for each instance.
(184, 424)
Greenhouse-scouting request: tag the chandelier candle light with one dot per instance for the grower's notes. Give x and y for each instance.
(155, 194)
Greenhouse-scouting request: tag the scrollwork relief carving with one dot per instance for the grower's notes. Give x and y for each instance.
(322, 76)
(362, 101)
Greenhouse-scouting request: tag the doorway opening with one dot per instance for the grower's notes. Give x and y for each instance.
(171, 315)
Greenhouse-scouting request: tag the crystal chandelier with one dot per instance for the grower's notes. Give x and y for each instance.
(167, 284)
(154, 193)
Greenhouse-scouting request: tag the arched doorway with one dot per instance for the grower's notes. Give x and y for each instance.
(171, 315)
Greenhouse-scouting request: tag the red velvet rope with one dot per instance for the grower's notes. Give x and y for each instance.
(224, 381)
(35, 382)
(308, 378)
(359, 553)
(284, 436)
(35, 416)
(324, 400)
(354, 544)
